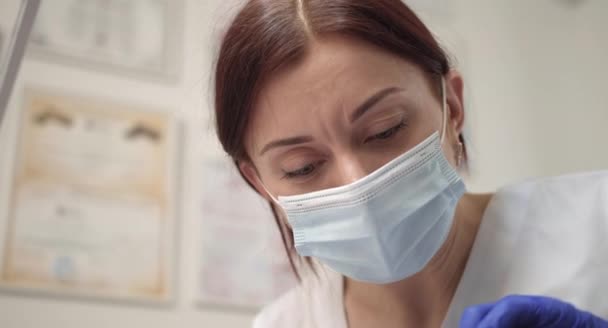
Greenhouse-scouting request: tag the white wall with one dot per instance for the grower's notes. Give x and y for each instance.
(535, 70)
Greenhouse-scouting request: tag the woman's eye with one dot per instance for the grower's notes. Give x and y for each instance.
(303, 171)
(386, 134)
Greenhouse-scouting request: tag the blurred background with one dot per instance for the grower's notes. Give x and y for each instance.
(118, 208)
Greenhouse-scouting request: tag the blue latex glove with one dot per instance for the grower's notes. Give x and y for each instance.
(528, 312)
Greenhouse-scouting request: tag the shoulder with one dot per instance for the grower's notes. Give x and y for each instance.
(315, 302)
(592, 177)
(569, 199)
(573, 186)
(535, 237)
(283, 312)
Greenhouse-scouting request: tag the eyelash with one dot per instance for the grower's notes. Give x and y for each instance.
(302, 172)
(387, 134)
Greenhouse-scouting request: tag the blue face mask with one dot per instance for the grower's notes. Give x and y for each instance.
(386, 226)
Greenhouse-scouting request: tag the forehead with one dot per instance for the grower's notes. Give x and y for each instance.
(336, 65)
(337, 74)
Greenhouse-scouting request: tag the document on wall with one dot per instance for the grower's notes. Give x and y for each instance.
(91, 202)
(244, 264)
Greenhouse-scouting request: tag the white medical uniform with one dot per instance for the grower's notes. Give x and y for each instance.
(544, 237)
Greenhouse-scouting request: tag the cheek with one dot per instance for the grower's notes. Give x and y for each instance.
(431, 119)
(265, 175)
(271, 179)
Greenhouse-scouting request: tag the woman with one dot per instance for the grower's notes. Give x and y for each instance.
(346, 116)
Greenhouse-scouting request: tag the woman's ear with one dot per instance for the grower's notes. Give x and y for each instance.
(250, 173)
(455, 100)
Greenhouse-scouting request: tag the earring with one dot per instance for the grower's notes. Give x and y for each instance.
(460, 154)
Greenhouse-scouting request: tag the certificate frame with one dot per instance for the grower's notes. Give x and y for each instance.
(243, 264)
(81, 53)
(167, 252)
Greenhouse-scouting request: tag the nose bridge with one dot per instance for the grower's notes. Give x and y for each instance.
(350, 168)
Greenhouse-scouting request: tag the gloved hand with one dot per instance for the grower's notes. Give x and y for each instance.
(528, 312)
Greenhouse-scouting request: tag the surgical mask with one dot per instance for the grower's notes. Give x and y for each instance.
(386, 226)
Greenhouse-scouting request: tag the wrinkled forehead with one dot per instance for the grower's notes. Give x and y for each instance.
(336, 75)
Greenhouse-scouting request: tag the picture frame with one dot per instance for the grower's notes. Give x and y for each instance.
(75, 228)
(243, 264)
(134, 38)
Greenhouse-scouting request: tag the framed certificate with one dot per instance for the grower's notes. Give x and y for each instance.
(243, 263)
(91, 204)
(124, 36)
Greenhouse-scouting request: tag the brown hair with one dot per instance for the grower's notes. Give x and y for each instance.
(268, 35)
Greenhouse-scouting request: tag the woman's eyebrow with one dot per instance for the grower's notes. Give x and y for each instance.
(371, 101)
(285, 142)
(362, 109)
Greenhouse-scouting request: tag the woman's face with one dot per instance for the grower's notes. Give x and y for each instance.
(341, 113)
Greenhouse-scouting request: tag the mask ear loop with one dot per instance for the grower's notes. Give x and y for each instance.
(444, 108)
(275, 200)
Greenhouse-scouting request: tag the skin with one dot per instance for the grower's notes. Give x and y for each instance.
(314, 102)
